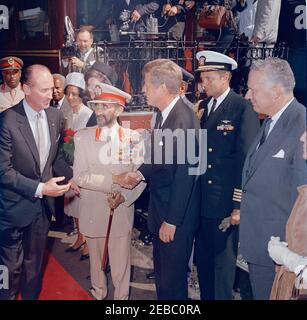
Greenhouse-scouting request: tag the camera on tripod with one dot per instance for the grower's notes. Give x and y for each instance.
(70, 48)
(125, 17)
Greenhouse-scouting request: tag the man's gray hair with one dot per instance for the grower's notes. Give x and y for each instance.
(277, 71)
(164, 71)
(59, 76)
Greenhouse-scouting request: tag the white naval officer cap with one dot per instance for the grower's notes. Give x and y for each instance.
(214, 61)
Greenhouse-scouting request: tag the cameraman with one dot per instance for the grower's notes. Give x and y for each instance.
(130, 16)
(136, 9)
(86, 55)
(172, 16)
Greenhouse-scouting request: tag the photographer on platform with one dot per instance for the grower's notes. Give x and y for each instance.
(131, 17)
(172, 16)
(128, 14)
(85, 55)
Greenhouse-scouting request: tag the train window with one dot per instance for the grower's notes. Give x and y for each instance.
(96, 13)
(33, 20)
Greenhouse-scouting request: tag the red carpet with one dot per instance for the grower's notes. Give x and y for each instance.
(58, 284)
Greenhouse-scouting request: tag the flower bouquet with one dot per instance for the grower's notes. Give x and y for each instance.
(68, 146)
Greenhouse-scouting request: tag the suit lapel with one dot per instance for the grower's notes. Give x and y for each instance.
(26, 132)
(168, 123)
(217, 114)
(52, 132)
(273, 141)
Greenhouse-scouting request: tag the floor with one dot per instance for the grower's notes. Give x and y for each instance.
(67, 278)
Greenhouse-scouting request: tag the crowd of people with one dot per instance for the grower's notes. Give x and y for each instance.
(63, 151)
(256, 24)
(244, 195)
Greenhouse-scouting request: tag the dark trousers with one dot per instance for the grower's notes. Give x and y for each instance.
(261, 278)
(171, 266)
(22, 251)
(215, 255)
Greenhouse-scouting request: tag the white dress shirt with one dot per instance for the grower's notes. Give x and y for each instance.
(277, 115)
(219, 100)
(168, 109)
(32, 118)
(60, 103)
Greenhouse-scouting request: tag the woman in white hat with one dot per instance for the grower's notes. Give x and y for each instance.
(76, 118)
(79, 113)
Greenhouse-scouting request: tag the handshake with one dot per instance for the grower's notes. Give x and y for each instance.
(128, 180)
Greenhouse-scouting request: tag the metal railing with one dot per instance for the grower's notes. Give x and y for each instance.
(128, 59)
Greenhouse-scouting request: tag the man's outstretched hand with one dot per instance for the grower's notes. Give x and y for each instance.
(52, 189)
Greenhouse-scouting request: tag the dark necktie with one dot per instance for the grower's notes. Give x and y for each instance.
(266, 128)
(56, 104)
(159, 119)
(212, 108)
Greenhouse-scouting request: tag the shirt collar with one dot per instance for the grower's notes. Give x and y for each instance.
(169, 108)
(110, 132)
(30, 112)
(86, 54)
(60, 102)
(221, 98)
(277, 115)
(6, 88)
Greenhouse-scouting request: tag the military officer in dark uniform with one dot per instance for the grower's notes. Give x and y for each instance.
(231, 126)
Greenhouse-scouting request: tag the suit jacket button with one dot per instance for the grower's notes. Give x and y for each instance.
(210, 149)
(209, 166)
(209, 181)
(244, 191)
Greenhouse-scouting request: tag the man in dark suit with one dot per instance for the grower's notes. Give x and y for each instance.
(231, 126)
(30, 134)
(174, 190)
(273, 168)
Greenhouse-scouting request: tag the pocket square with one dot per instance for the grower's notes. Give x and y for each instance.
(280, 154)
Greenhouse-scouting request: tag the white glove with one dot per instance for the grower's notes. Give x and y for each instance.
(279, 252)
(225, 224)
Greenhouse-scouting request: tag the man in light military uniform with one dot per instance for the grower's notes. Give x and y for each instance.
(11, 92)
(231, 126)
(100, 152)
